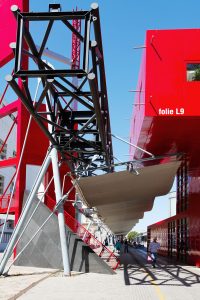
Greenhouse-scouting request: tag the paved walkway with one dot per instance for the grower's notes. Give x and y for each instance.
(135, 280)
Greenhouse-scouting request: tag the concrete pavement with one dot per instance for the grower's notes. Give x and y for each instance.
(136, 279)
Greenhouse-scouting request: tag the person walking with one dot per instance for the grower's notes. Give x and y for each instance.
(118, 246)
(106, 241)
(125, 246)
(153, 249)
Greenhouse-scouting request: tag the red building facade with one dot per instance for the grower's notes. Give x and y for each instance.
(166, 120)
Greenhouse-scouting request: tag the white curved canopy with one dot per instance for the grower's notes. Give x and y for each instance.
(121, 198)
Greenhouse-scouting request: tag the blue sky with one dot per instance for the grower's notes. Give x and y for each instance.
(123, 25)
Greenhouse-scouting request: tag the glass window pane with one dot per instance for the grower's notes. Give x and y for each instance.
(193, 72)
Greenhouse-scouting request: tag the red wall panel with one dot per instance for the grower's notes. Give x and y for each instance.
(165, 89)
(8, 27)
(167, 92)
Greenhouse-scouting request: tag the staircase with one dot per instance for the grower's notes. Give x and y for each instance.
(87, 237)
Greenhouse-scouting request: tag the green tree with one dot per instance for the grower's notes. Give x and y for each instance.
(197, 74)
(132, 235)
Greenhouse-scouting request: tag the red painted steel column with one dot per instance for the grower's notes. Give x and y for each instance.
(23, 118)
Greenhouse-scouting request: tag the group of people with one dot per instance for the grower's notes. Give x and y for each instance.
(122, 246)
(153, 248)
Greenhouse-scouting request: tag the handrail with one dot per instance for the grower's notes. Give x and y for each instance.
(87, 237)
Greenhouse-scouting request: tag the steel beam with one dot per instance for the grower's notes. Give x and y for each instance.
(15, 87)
(61, 219)
(97, 105)
(51, 73)
(94, 59)
(45, 37)
(44, 93)
(73, 94)
(46, 16)
(104, 96)
(86, 44)
(95, 97)
(79, 36)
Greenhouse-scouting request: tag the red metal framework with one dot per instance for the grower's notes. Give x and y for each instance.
(75, 56)
(5, 198)
(6, 54)
(8, 162)
(31, 154)
(76, 44)
(8, 27)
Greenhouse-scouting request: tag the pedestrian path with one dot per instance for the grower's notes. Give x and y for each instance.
(169, 281)
(134, 280)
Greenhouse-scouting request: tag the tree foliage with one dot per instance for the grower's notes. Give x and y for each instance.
(132, 235)
(197, 74)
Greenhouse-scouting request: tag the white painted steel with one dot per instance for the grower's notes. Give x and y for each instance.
(9, 250)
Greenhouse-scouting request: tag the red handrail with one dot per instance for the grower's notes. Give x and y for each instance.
(87, 237)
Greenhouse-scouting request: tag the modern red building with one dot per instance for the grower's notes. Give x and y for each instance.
(166, 120)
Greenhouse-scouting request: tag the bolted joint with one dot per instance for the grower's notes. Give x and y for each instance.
(94, 6)
(9, 78)
(14, 8)
(50, 80)
(13, 46)
(93, 44)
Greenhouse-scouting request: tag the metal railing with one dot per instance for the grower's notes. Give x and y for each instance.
(88, 238)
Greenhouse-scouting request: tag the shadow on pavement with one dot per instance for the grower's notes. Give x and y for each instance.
(137, 271)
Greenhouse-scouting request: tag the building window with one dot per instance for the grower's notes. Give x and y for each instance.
(182, 187)
(10, 224)
(3, 151)
(182, 239)
(11, 187)
(193, 72)
(1, 184)
(6, 237)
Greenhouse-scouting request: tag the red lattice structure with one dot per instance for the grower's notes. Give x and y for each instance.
(76, 45)
(75, 56)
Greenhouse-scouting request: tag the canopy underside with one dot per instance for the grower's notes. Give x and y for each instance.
(121, 198)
